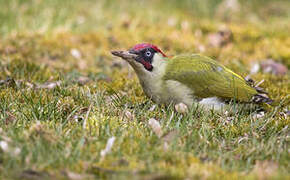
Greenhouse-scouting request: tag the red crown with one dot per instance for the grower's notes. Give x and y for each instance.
(138, 47)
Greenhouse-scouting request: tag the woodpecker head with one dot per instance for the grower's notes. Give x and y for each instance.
(142, 57)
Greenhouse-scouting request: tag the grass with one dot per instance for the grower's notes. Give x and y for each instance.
(67, 95)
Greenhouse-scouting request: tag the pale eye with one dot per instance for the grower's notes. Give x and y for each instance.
(148, 53)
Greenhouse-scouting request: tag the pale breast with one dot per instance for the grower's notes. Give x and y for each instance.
(174, 92)
(178, 92)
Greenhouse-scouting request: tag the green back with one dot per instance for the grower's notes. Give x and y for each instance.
(208, 78)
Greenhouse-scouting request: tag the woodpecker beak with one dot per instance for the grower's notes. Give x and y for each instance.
(126, 55)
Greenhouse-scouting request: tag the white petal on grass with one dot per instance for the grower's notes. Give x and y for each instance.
(129, 115)
(152, 108)
(170, 119)
(4, 146)
(48, 85)
(242, 139)
(259, 115)
(226, 113)
(75, 53)
(108, 148)
(255, 68)
(155, 126)
(181, 108)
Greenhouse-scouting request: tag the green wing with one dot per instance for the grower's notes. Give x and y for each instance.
(208, 78)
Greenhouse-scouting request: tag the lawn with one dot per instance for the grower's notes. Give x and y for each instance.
(70, 110)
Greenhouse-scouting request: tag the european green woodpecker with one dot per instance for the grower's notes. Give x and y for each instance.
(189, 79)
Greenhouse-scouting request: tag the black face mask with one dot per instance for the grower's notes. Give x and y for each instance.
(145, 57)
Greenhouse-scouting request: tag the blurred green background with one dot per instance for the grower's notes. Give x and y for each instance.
(90, 15)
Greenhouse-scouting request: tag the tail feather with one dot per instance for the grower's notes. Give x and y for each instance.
(262, 96)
